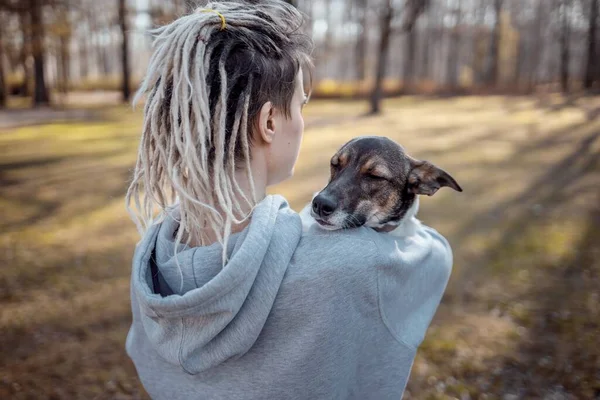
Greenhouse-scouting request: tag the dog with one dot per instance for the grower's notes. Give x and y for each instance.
(375, 183)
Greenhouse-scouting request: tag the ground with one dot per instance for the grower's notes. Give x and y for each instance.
(520, 318)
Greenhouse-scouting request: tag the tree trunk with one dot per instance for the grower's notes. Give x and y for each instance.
(124, 51)
(413, 9)
(361, 41)
(97, 27)
(104, 57)
(564, 47)
(25, 52)
(521, 61)
(495, 45)
(591, 49)
(409, 57)
(40, 94)
(597, 64)
(536, 44)
(84, 67)
(2, 81)
(64, 63)
(383, 50)
(424, 70)
(95, 46)
(453, 48)
(479, 62)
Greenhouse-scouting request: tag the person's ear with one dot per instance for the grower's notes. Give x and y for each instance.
(266, 122)
(425, 178)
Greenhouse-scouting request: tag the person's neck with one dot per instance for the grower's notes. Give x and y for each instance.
(259, 175)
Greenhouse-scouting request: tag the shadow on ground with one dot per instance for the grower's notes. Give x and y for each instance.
(520, 315)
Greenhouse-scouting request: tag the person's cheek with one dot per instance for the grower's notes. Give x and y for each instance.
(300, 123)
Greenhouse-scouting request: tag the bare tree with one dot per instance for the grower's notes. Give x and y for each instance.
(494, 71)
(94, 38)
(40, 93)
(382, 55)
(516, 14)
(413, 10)
(2, 72)
(564, 44)
(25, 51)
(453, 48)
(592, 59)
(425, 56)
(536, 43)
(60, 28)
(360, 51)
(100, 25)
(479, 51)
(124, 51)
(409, 57)
(83, 42)
(454, 36)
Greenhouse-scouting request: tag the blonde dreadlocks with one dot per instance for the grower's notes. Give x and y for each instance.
(208, 77)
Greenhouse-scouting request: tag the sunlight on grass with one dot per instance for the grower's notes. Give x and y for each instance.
(530, 179)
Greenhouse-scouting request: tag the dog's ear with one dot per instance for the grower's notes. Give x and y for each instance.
(426, 178)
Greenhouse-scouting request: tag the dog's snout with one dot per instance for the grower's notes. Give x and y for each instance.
(323, 205)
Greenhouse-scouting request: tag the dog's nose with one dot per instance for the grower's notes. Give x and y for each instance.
(323, 205)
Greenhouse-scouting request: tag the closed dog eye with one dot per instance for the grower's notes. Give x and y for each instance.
(376, 177)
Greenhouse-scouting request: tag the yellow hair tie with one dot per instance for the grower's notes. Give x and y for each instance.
(223, 24)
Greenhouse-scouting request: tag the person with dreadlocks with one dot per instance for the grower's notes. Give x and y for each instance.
(231, 298)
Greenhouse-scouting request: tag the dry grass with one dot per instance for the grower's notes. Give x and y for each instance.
(521, 312)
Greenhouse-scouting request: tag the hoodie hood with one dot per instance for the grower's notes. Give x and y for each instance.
(198, 314)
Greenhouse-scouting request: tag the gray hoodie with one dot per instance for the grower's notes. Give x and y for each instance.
(294, 314)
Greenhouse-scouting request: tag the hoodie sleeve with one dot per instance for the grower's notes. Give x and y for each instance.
(412, 276)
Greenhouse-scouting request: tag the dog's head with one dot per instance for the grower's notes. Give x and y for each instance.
(374, 183)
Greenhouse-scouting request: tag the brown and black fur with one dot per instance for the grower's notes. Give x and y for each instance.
(374, 182)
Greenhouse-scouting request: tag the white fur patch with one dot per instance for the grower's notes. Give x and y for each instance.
(306, 215)
(306, 218)
(409, 224)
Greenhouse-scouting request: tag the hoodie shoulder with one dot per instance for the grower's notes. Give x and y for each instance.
(329, 263)
(411, 281)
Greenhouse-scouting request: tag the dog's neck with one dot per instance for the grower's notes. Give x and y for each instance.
(406, 225)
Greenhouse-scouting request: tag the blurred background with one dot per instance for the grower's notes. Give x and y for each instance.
(500, 93)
